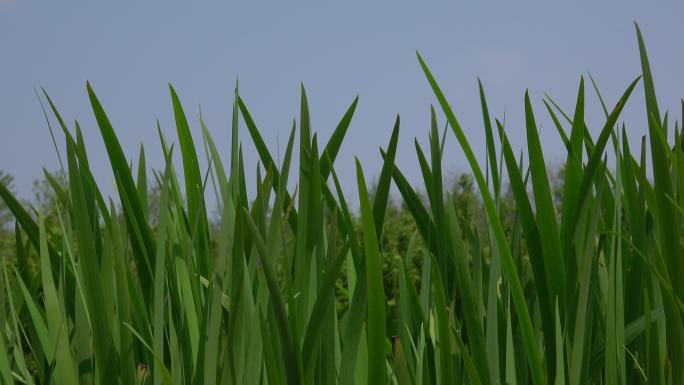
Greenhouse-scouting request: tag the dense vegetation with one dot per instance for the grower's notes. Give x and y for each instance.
(537, 282)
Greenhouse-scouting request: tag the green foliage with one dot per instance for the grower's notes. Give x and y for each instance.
(6, 238)
(5, 213)
(511, 274)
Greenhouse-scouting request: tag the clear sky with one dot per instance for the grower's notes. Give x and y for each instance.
(131, 51)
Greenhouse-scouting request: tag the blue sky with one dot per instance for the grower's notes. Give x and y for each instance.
(131, 51)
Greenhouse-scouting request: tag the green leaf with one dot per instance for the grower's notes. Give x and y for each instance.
(141, 238)
(554, 262)
(197, 212)
(532, 237)
(471, 309)
(669, 230)
(443, 337)
(491, 150)
(325, 297)
(376, 293)
(56, 319)
(383, 189)
(500, 238)
(335, 142)
(291, 356)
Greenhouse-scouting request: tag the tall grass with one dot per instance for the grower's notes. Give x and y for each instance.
(125, 296)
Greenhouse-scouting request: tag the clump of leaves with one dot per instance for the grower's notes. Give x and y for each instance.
(569, 284)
